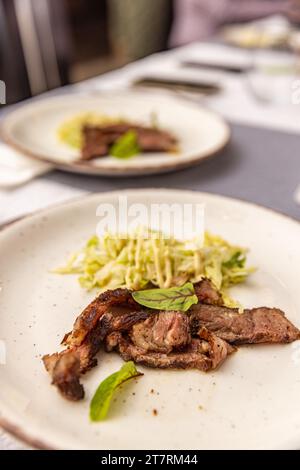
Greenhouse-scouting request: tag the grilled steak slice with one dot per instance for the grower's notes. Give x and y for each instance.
(90, 316)
(197, 339)
(107, 302)
(155, 140)
(258, 325)
(65, 372)
(93, 325)
(218, 349)
(98, 139)
(96, 143)
(67, 366)
(122, 319)
(207, 293)
(162, 332)
(204, 353)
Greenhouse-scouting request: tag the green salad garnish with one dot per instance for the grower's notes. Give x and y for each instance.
(126, 146)
(174, 298)
(101, 400)
(138, 262)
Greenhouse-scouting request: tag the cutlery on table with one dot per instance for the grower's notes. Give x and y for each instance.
(202, 87)
(239, 69)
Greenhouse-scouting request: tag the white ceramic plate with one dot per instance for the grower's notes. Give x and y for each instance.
(33, 129)
(251, 402)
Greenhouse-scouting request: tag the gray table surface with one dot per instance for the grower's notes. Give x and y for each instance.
(259, 165)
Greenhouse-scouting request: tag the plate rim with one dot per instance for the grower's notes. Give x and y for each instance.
(111, 171)
(8, 425)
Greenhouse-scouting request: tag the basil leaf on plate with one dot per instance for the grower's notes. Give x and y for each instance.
(125, 146)
(174, 298)
(101, 400)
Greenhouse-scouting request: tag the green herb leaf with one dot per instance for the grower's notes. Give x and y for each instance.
(126, 146)
(238, 260)
(174, 298)
(101, 400)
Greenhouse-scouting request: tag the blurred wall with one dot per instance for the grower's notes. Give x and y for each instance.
(139, 27)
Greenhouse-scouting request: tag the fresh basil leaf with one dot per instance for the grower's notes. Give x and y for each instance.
(174, 298)
(126, 146)
(101, 400)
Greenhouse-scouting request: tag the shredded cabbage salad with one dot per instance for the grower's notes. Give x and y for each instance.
(136, 262)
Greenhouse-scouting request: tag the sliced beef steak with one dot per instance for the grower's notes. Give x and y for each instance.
(95, 143)
(90, 316)
(67, 366)
(112, 311)
(162, 332)
(203, 353)
(207, 293)
(65, 372)
(155, 140)
(98, 139)
(258, 325)
(196, 339)
(109, 302)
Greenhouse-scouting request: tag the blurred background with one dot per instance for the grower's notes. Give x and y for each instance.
(45, 44)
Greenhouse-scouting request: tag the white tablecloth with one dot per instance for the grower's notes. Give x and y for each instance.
(234, 103)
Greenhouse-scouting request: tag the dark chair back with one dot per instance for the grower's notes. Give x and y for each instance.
(34, 47)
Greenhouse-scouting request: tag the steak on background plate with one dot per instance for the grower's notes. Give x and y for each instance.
(97, 140)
